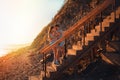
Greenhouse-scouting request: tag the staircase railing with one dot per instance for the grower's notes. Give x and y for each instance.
(81, 24)
(78, 24)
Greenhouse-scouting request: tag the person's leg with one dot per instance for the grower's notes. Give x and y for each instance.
(56, 56)
(62, 50)
(54, 52)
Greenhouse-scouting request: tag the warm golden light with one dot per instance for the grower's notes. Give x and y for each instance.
(22, 20)
(2, 52)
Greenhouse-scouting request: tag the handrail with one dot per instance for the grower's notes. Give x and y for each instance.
(81, 22)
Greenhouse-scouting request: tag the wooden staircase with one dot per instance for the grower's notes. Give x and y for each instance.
(54, 72)
(95, 32)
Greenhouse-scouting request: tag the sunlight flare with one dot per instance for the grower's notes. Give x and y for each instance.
(22, 20)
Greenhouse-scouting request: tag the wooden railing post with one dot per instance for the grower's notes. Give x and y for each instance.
(92, 55)
(84, 36)
(89, 27)
(45, 67)
(44, 63)
(65, 50)
(114, 9)
(101, 21)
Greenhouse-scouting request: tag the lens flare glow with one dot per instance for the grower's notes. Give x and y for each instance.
(22, 20)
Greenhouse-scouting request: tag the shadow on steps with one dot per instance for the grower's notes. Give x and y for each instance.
(98, 70)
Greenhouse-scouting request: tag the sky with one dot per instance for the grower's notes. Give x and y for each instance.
(22, 20)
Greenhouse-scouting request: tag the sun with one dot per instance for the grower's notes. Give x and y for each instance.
(2, 52)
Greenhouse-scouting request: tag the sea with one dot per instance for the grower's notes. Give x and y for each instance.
(4, 50)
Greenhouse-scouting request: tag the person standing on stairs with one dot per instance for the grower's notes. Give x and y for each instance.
(52, 37)
(59, 34)
(54, 34)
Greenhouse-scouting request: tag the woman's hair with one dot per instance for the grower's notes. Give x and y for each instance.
(57, 25)
(50, 28)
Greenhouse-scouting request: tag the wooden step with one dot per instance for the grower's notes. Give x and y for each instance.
(108, 19)
(71, 52)
(111, 17)
(104, 26)
(89, 38)
(93, 33)
(98, 28)
(118, 13)
(36, 77)
(118, 16)
(118, 10)
(106, 23)
(87, 42)
(79, 43)
(77, 47)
